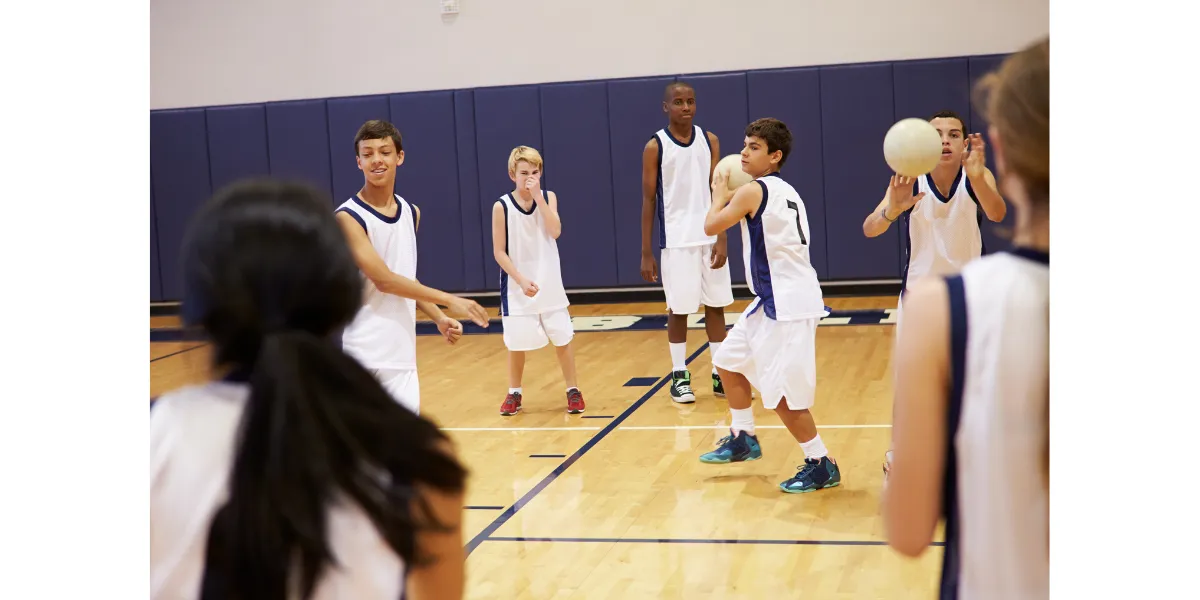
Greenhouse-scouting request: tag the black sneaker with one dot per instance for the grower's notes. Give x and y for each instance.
(718, 387)
(681, 387)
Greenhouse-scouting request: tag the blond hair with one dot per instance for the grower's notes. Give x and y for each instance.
(523, 153)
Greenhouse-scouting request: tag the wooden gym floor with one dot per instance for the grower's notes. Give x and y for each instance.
(614, 503)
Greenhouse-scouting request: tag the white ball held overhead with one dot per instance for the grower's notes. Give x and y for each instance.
(912, 147)
(731, 167)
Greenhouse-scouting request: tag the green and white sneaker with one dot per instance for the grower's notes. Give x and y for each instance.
(681, 387)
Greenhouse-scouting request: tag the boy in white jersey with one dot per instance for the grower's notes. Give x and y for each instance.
(943, 231)
(677, 166)
(773, 344)
(381, 229)
(533, 302)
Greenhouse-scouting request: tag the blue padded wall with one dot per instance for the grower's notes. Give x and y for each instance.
(344, 116)
(180, 184)
(505, 118)
(298, 143)
(237, 143)
(635, 113)
(592, 135)
(722, 107)
(155, 276)
(794, 97)
(993, 238)
(925, 87)
(476, 233)
(577, 156)
(429, 179)
(856, 112)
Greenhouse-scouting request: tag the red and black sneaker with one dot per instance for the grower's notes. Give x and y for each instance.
(575, 401)
(512, 404)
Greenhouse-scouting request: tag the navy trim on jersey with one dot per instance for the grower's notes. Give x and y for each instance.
(414, 216)
(517, 205)
(1039, 256)
(503, 273)
(660, 199)
(953, 187)
(906, 255)
(667, 130)
(906, 233)
(356, 216)
(971, 192)
(978, 216)
(378, 215)
(760, 268)
(951, 558)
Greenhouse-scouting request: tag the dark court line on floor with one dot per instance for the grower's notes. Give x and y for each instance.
(178, 353)
(547, 480)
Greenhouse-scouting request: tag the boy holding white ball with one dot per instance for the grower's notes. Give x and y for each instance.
(944, 231)
(773, 344)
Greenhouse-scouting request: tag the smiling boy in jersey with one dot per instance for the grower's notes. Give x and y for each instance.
(773, 344)
(381, 229)
(533, 302)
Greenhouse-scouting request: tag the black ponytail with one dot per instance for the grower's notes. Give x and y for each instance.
(318, 428)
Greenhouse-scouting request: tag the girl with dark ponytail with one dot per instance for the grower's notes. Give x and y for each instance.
(295, 475)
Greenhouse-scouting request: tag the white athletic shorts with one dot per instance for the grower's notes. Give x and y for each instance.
(778, 357)
(526, 333)
(690, 282)
(403, 385)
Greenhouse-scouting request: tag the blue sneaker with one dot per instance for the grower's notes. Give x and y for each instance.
(816, 474)
(739, 448)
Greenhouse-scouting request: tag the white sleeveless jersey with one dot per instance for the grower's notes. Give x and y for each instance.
(684, 192)
(997, 520)
(193, 437)
(383, 334)
(776, 254)
(535, 254)
(943, 233)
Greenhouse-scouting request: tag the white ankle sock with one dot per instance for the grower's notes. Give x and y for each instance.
(712, 351)
(814, 448)
(742, 420)
(678, 356)
(515, 390)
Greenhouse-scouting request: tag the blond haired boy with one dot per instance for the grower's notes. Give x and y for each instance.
(533, 302)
